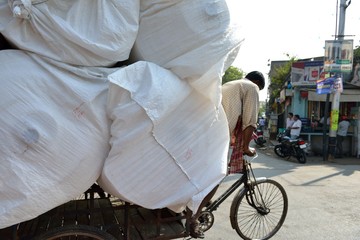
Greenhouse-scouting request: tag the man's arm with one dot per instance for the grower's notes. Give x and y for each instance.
(250, 116)
(296, 125)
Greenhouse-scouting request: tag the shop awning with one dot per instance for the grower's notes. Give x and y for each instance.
(348, 95)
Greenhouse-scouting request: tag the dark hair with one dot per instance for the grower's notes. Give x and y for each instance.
(297, 116)
(291, 114)
(256, 76)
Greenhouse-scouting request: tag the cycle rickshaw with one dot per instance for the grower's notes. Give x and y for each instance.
(258, 211)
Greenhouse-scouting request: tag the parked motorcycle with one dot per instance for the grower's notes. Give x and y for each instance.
(288, 148)
(259, 137)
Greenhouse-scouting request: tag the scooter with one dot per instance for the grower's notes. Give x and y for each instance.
(288, 148)
(259, 137)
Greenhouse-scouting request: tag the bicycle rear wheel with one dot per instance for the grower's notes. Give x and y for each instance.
(258, 213)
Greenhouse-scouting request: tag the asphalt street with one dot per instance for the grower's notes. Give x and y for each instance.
(324, 199)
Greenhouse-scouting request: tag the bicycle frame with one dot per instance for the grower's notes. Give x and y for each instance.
(251, 210)
(244, 179)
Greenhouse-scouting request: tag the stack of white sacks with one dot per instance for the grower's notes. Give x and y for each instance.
(152, 133)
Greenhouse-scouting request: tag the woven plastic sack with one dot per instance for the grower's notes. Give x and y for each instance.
(79, 32)
(167, 150)
(54, 133)
(196, 40)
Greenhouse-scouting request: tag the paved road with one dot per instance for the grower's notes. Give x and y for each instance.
(324, 200)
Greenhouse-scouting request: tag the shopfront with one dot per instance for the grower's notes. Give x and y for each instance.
(312, 107)
(302, 96)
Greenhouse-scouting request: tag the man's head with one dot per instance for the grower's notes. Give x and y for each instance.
(257, 78)
(296, 117)
(290, 115)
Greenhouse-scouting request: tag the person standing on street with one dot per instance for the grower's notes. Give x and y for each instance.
(341, 134)
(322, 120)
(289, 123)
(262, 123)
(295, 129)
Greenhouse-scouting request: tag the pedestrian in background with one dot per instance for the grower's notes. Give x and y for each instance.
(289, 123)
(341, 134)
(295, 129)
(262, 123)
(322, 121)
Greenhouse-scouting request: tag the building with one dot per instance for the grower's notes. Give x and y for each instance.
(299, 95)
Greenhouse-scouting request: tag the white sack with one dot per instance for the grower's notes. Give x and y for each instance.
(196, 40)
(80, 32)
(54, 133)
(167, 150)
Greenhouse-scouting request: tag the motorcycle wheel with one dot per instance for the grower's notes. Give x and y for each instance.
(278, 151)
(300, 156)
(259, 142)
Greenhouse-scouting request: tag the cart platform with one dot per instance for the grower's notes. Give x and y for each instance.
(119, 219)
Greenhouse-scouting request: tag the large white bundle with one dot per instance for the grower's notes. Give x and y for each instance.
(167, 149)
(80, 32)
(196, 40)
(54, 133)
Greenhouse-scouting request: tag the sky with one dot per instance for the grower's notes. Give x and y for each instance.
(274, 28)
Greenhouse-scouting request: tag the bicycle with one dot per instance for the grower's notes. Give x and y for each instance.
(257, 211)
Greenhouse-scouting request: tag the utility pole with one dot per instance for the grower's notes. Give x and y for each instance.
(336, 98)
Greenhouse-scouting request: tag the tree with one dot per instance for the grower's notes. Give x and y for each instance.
(262, 109)
(232, 73)
(356, 60)
(357, 54)
(278, 79)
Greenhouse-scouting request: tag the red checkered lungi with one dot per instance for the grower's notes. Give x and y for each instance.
(236, 164)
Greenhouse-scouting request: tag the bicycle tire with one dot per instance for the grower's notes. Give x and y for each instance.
(77, 231)
(278, 151)
(248, 222)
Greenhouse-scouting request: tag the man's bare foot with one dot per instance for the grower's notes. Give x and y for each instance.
(195, 230)
(250, 152)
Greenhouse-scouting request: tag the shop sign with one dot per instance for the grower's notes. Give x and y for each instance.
(329, 85)
(306, 73)
(338, 56)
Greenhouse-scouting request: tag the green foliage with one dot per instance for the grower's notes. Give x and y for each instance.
(357, 55)
(278, 78)
(356, 60)
(262, 109)
(232, 73)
